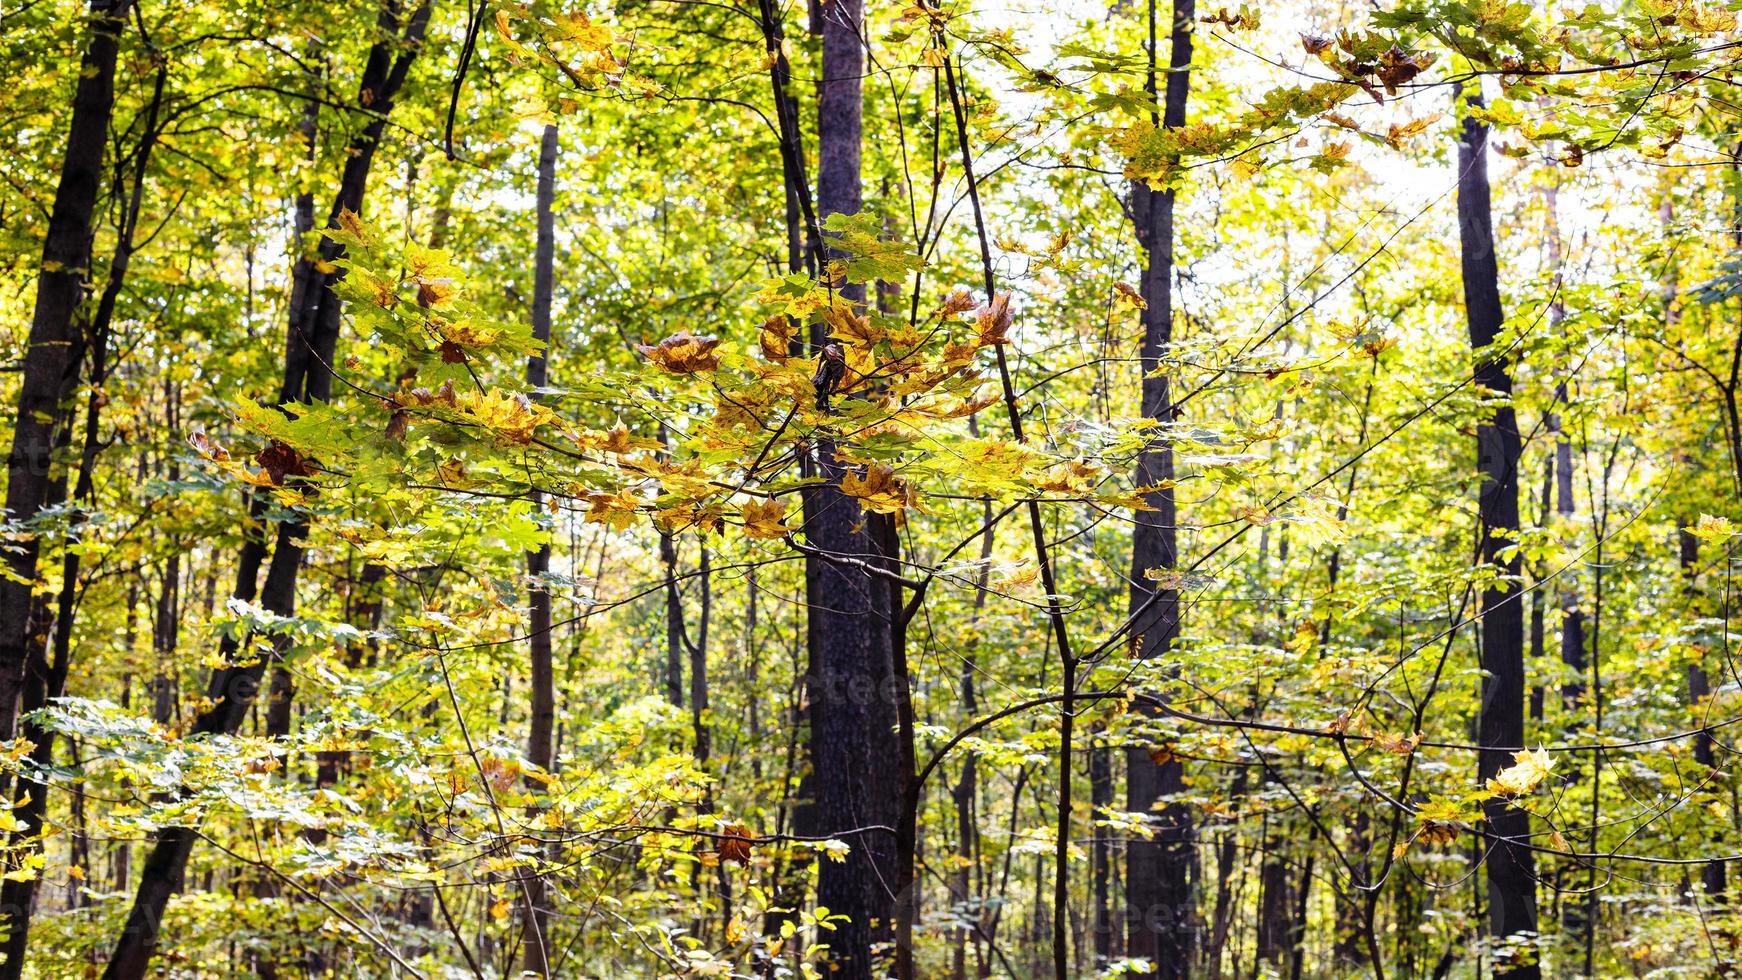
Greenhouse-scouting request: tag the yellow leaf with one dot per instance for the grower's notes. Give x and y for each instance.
(1712, 528)
(1402, 133)
(763, 519)
(776, 339)
(1529, 768)
(879, 491)
(615, 509)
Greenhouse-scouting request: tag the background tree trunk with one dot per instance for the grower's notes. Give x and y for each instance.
(1158, 899)
(853, 714)
(60, 286)
(311, 340)
(534, 914)
(1511, 869)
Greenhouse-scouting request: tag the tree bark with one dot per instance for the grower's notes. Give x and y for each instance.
(535, 917)
(854, 752)
(312, 338)
(60, 287)
(1511, 869)
(1158, 899)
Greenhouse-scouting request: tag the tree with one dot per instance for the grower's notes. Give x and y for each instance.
(49, 371)
(308, 377)
(1158, 898)
(1510, 862)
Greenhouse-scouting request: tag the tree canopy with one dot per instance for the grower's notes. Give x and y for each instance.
(700, 488)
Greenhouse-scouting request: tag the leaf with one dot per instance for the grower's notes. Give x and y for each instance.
(279, 461)
(683, 353)
(617, 510)
(1397, 744)
(734, 843)
(851, 329)
(1529, 768)
(871, 255)
(776, 338)
(993, 320)
(580, 29)
(763, 519)
(1401, 134)
(879, 491)
(1712, 529)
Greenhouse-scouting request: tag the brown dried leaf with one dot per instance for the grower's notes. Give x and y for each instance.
(734, 842)
(683, 353)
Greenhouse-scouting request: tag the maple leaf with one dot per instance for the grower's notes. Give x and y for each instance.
(993, 320)
(1528, 769)
(511, 418)
(1130, 295)
(279, 461)
(1397, 67)
(763, 519)
(579, 28)
(1711, 528)
(1397, 744)
(848, 328)
(870, 254)
(351, 230)
(776, 338)
(1072, 477)
(619, 441)
(683, 353)
(1401, 134)
(960, 301)
(879, 491)
(434, 292)
(614, 509)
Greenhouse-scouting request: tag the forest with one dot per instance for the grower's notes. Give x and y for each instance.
(859, 489)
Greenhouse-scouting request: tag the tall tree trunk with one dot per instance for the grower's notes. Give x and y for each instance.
(46, 676)
(854, 751)
(60, 284)
(673, 615)
(535, 917)
(1158, 899)
(1275, 895)
(311, 340)
(1511, 869)
(1100, 849)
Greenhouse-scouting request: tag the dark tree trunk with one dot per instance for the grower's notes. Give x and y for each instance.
(1101, 850)
(312, 338)
(535, 917)
(46, 676)
(1274, 896)
(854, 749)
(60, 286)
(1712, 873)
(673, 616)
(1511, 870)
(1158, 899)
